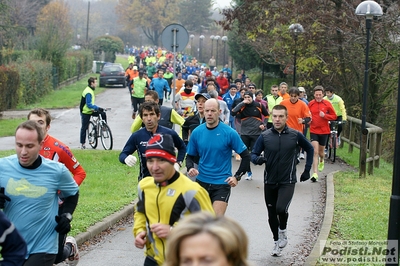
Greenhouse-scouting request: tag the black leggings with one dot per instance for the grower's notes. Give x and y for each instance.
(249, 141)
(278, 198)
(42, 259)
(136, 102)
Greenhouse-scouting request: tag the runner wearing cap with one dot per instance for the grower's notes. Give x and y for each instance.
(198, 118)
(163, 198)
(251, 114)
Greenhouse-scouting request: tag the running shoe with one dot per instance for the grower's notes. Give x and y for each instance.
(276, 252)
(282, 241)
(321, 166)
(314, 177)
(249, 176)
(73, 258)
(302, 156)
(83, 147)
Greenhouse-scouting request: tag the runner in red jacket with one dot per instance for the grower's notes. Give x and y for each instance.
(322, 112)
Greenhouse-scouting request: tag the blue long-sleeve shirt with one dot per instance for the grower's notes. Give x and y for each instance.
(159, 85)
(88, 99)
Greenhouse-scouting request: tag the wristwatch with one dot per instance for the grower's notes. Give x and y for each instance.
(238, 177)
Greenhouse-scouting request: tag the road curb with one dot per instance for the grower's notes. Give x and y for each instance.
(107, 222)
(312, 259)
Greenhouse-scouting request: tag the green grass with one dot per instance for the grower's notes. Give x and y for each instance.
(361, 209)
(107, 188)
(66, 97)
(8, 126)
(123, 61)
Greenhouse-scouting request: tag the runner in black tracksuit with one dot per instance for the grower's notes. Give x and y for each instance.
(280, 145)
(251, 113)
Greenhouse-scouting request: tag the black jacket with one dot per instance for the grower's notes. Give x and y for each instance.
(280, 154)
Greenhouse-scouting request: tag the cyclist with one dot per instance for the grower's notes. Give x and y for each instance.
(338, 104)
(88, 108)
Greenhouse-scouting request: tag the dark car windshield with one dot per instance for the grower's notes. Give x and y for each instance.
(109, 69)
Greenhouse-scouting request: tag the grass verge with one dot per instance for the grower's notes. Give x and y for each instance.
(107, 188)
(361, 209)
(8, 126)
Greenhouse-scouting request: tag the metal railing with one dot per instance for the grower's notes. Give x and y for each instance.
(369, 140)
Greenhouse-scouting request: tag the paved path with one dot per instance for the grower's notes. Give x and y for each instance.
(246, 204)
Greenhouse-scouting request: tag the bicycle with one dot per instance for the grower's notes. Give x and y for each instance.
(333, 140)
(96, 125)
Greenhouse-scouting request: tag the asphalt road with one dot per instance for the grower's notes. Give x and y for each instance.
(246, 204)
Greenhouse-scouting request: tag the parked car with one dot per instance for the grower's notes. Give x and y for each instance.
(112, 74)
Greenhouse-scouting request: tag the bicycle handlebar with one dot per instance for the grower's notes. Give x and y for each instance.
(334, 122)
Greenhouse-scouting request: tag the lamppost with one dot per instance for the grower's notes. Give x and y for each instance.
(212, 37)
(369, 9)
(295, 30)
(201, 38)
(216, 59)
(191, 44)
(224, 39)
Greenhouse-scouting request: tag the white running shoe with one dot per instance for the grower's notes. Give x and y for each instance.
(282, 238)
(276, 252)
(249, 176)
(73, 259)
(302, 156)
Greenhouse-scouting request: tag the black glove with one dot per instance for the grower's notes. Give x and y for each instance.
(64, 223)
(260, 160)
(3, 198)
(305, 176)
(100, 109)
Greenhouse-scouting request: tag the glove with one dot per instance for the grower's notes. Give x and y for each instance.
(64, 224)
(130, 160)
(100, 109)
(260, 160)
(305, 176)
(3, 198)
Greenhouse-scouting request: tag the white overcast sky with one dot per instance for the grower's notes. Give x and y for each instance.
(222, 3)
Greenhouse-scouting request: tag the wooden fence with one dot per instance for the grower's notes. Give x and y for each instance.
(369, 141)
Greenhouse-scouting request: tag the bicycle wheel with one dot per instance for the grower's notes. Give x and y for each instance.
(334, 148)
(106, 136)
(92, 135)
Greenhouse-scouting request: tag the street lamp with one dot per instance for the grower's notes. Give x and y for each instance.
(216, 59)
(212, 37)
(369, 9)
(295, 30)
(191, 43)
(201, 38)
(224, 39)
